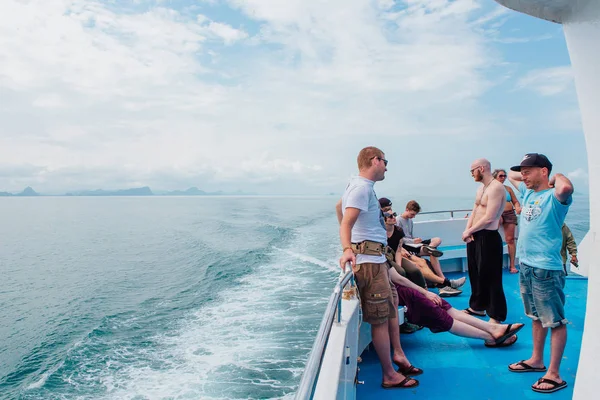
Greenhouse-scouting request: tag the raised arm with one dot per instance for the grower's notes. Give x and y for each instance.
(515, 178)
(514, 200)
(563, 188)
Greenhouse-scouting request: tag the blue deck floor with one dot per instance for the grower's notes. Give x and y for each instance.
(460, 368)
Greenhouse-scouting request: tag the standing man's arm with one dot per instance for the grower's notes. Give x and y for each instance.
(515, 179)
(471, 216)
(495, 202)
(563, 188)
(338, 211)
(346, 224)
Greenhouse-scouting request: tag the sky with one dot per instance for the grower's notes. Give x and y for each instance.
(278, 97)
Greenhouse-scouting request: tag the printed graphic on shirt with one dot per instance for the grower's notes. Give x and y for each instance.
(532, 211)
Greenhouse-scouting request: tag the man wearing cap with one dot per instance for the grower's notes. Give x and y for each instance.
(546, 201)
(363, 237)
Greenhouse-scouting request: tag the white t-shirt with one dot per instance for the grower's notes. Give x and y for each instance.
(370, 224)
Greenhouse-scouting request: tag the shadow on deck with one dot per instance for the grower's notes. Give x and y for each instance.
(461, 368)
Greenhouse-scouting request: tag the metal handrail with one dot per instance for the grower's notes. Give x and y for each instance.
(444, 211)
(313, 365)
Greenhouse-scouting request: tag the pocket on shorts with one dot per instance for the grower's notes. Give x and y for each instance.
(378, 308)
(542, 275)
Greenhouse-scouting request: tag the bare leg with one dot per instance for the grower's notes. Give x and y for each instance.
(493, 330)
(427, 273)
(394, 332)
(509, 236)
(381, 342)
(558, 340)
(460, 328)
(437, 268)
(539, 340)
(435, 242)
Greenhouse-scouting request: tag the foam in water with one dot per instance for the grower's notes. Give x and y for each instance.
(251, 342)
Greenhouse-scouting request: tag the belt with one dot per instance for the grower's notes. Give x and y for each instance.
(369, 248)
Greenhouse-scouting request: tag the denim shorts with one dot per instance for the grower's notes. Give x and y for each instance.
(543, 295)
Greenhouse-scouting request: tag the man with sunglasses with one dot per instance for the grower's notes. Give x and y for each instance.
(432, 269)
(364, 238)
(484, 246)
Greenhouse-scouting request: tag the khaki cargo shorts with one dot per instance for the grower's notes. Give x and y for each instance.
(378, 297)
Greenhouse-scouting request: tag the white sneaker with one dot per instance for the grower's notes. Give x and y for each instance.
(448, 291)
(456, 283)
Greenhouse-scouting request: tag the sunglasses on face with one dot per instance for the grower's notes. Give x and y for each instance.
(388, 215)
(501, 176)
(385, 162)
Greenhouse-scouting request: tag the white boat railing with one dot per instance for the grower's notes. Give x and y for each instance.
(444, 212)
(333, 311)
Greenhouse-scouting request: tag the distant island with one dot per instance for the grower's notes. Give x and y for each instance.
(141, 191)
(28, 191)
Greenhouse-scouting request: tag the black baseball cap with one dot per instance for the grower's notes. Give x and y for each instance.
(385, 202)
(533, 160)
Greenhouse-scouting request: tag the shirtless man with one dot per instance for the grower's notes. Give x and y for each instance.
(484, 246)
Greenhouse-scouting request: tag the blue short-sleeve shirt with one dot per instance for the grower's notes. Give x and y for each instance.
(540, 228)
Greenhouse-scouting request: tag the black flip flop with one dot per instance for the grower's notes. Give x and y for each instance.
(507, 333)
(474, 313)
(526, 368)
(502, 344)
(401, 385)
(555, 386)
(411, 370)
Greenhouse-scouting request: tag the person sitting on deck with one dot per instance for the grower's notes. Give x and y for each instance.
(416, 245)
(428, 309)
(409, 262)
(448, 288)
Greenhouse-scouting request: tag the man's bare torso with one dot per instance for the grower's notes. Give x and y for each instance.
(482, 200)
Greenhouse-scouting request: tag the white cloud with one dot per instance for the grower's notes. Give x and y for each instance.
(226, 32)
(548, 81)
(578, 174)
(122, 94)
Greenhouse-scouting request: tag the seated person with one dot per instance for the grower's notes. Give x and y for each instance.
(428, 309)
(416, 245)
(409, 262)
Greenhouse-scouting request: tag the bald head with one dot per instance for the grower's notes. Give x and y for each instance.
(482, 162)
